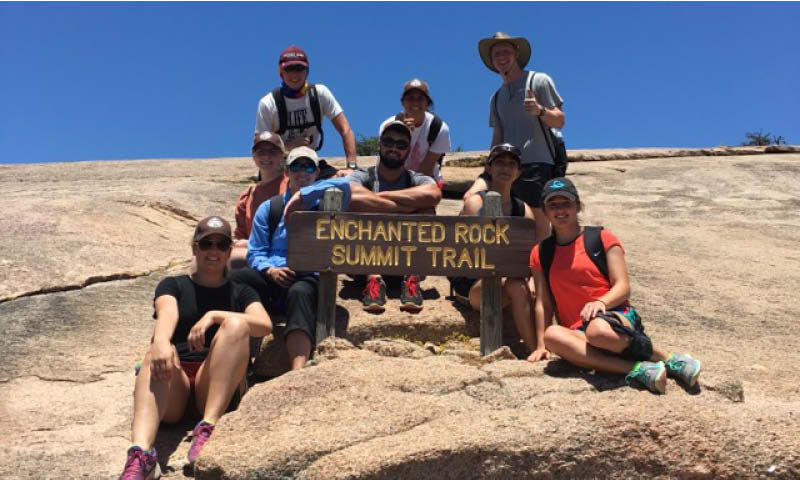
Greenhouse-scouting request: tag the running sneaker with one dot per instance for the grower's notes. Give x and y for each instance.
(410, 294)
(374, 295)
(141, 465)
(683, 367)
(652, 375)
(202, 431)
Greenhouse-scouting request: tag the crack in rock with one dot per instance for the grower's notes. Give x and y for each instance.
(93, 280)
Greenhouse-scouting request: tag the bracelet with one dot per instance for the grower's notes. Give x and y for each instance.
(604, 303)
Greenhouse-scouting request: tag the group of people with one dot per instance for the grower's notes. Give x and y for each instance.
(199, 350)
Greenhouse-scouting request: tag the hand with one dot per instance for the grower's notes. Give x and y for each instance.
(409, 121)
(591, 309)
(163, 361)
(539, 354)
(343, 172)
(530, 105)
(283, 276)
(197, 335)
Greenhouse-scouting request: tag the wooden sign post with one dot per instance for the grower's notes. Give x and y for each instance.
(488, 247)
(491, 291)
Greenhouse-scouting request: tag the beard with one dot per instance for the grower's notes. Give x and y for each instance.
(392, 163)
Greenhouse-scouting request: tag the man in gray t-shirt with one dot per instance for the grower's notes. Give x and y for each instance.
(411, 191)
(520, 112)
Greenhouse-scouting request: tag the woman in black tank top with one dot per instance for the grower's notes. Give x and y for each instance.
(504, 167)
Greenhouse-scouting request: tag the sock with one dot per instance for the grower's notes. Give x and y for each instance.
(208, 422)
(136, 445)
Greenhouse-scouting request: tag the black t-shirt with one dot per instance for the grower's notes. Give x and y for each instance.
(194, 301)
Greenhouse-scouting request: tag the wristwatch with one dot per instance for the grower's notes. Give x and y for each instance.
(352, 165)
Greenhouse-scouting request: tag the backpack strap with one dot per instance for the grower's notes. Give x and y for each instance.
(433, 132)
(593, 244)
(313, 98)
(283, 116)
(494, 107)
(517, 206)
(547, 250)
(546, 134)
(275, 214)
(372, 176)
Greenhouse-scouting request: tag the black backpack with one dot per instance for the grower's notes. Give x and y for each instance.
(275, 214)
(283, 114)
(592, 243)
(555, 144)
(433, 132)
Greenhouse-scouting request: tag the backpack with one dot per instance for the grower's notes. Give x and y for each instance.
(373, 177)
(283, 114)
(555, 143)
(592, 243)
(275, 214)
(433, 132)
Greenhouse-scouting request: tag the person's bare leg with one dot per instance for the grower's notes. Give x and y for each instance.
(222, 371)
(573, 347)
(600, 334)
(156, 401)
(542, 224)
(516, 290)
(298, 345)
(475, 296)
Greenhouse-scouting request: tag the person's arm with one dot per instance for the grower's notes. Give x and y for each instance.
(472, 206)
(497, 136)
(348, 139)
(254, 315)
(478, 185)
(553, 117)
(419, 197)
(620, 285)
(427, 164)
(258, 246)
(163, 357)
(542, 314)
(363, 200)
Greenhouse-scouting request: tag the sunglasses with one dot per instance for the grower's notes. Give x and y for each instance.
(223, 245)
(392, 143)
(299, 167)
(295, 68)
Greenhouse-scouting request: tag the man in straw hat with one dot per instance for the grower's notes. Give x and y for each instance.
(520, 112)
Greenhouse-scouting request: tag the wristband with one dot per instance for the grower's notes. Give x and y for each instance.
(604, 303)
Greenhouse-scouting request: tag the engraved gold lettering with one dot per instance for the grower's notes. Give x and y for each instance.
(437, 232)
(337, 230)
(486, 229)
(321, 230)
(465, 258)
(422, 232)
(394, 232)
(380, 231)
(461, 233)
(449, 257)
(351, 223)
(474, 233)
(434, 254)
(484, 263)
(368, 259)
(501, 232)
(408, 250)
(352, 259)
(385, 256)
(337, 254)
(365, 228)
(409, 225)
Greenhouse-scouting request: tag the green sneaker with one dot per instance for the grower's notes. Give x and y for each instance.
(652, 375)
(683, 367)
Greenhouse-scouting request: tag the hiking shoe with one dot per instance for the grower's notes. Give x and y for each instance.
(684, 368)
(141, 465)
(374, 295)
(652, 375)
(200, 436)
(410, 294)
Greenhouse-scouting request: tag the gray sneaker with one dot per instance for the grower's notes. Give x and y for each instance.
(684, 368)
(652, 375)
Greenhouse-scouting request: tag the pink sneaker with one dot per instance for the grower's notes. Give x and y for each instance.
(141, 465)
(202, 431)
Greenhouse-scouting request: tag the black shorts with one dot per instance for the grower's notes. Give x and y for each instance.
(462, 285)
(531, 181)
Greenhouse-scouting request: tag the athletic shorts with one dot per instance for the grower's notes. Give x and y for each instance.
(627, 312)
(462, 285)
(531, 181)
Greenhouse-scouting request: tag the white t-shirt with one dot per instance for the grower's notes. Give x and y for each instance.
(419, 143)
(298, 113)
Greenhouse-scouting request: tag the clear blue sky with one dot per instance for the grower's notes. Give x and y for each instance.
(91, 81)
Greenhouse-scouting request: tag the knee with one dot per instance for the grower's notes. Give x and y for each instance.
(554, 338)
(301, 291)
(516, 289)
(599, 331)
(234, 327)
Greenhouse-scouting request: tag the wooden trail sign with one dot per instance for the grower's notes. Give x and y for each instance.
(365, 243)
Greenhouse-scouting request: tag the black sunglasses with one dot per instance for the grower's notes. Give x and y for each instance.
(295, 68)
(298, 167)
(223, 245)
(390, 143)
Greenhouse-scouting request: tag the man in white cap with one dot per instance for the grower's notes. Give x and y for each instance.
(520, 112)
(295, 109)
